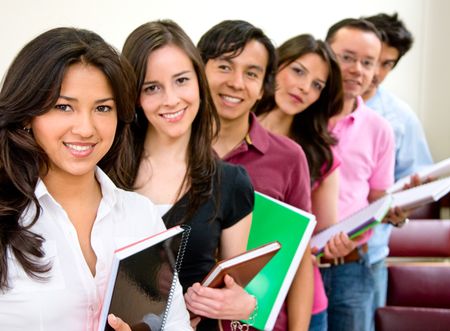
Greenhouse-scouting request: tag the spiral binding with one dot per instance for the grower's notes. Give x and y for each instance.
(177, 267)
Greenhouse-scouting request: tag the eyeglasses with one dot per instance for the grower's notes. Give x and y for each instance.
(346, 58)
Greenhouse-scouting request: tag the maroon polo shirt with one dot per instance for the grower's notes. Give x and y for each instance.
(277, 165)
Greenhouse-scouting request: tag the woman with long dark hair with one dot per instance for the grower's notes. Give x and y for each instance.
(308, 93)
(66, 105)
(175, 166)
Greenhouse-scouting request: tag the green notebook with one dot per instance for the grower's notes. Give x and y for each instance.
(292, 227)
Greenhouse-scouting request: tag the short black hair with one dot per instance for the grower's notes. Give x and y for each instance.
(352, 23)
(394, 32)
(230, 37)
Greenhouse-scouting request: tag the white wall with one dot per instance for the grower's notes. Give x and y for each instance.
(418, 78)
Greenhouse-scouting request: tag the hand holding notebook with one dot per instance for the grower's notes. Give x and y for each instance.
(433, 171)
(243, 267)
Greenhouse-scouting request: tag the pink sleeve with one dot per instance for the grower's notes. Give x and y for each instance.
(299, 188)
(323, 173)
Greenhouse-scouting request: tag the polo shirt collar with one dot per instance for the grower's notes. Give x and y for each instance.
(354, 115)
(359, 108)
(257, 136)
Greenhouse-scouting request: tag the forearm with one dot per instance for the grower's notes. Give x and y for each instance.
(300, 296)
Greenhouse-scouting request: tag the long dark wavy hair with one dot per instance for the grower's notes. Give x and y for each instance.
(30, 88)
(310, 127)
(202, 162)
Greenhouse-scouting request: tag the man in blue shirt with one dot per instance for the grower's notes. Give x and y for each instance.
(411, 148)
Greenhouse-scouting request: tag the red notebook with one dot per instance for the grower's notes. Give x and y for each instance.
(242, 267)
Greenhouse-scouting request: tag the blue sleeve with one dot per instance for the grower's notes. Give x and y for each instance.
(412, 152)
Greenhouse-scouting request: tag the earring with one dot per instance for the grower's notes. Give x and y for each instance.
(27, 130)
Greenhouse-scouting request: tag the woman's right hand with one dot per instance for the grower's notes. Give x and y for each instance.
(231, 302)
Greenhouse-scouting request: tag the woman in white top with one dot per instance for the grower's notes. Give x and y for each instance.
(65, 108)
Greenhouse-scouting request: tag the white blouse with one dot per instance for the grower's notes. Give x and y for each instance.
(71, 299)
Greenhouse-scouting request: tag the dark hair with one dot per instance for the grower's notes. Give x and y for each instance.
(394, 32)
(230, 37)
(310, 127)
(201, 159)
(352, 23)
(31, 88)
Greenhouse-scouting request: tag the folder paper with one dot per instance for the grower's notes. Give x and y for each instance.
(274, 220)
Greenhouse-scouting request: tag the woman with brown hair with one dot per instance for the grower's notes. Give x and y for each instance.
(175, 166)
(308, 93)
(66, 105)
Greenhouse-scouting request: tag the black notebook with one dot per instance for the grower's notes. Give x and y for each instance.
(142, 282)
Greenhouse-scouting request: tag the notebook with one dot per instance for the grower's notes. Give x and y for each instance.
(142, 279)
(242, 267)
(422, 194)
(436, 170)
(355, 224)
(274, 220)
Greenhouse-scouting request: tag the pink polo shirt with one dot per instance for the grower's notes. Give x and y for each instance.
(367, 153)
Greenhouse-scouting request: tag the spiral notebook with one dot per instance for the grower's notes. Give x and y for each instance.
(143, 279)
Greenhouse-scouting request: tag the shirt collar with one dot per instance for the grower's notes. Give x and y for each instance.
(350, 118)
(359, 108)
(356, 113)
(109, 190)
(257, 136)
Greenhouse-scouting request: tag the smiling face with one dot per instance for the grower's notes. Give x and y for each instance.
(300, 83)
(236, 83)
(357, 52)
(170, 95)
(79, 130)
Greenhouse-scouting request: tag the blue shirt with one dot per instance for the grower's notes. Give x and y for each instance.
(411, 154)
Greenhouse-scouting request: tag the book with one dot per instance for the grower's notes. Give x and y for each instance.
(355, 224)
(292, 227)
(143, 278)
(436, 170)
(373, 214)
(242, 267)
(422, 194)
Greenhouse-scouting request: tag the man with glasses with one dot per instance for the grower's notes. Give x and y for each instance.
(366, 150)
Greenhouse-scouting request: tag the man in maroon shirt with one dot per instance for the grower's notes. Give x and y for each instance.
(240, 68)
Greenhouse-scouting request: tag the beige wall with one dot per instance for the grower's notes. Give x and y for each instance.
(435, 84)
(421, 78)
